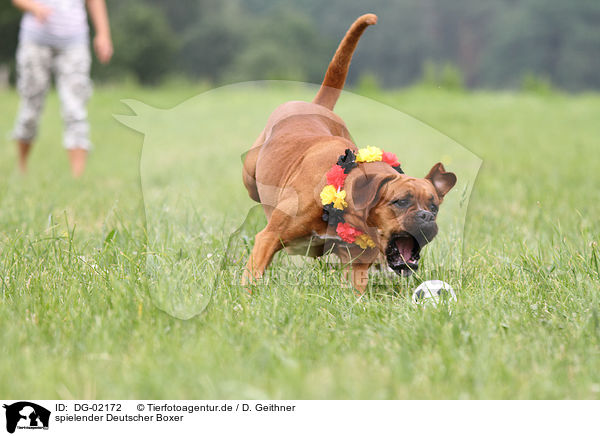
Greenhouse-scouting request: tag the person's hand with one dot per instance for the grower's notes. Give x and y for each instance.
(41, 12)
(103, 47)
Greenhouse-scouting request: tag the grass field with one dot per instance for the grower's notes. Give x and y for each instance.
(80, 316)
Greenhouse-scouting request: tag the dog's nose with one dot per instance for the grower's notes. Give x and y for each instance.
(422, 226)
(424, 216)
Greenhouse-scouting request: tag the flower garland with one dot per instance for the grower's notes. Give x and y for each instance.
(333, 196)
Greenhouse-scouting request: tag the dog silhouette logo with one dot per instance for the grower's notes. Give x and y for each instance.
(26, 415)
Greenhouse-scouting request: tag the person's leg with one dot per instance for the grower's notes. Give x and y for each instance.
(23, 149)
(33, 80)
(78, 159)
(72, 70)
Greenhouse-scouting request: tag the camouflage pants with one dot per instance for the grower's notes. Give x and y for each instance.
(71, 68)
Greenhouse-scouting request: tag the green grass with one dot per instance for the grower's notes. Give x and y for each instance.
(83, 315)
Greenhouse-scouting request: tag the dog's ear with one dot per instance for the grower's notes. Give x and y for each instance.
(366, 187)
(441, 180)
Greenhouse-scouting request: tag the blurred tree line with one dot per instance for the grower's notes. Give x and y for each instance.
(476, 43)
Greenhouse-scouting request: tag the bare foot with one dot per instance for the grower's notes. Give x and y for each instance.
(24, 149)
(78, 159)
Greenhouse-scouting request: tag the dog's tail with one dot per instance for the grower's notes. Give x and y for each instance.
(338, 68)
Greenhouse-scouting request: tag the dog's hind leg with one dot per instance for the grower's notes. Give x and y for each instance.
(249, 174)
(266, 244)
(249, 168)
(281, 229)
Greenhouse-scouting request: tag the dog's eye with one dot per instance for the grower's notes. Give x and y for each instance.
(433, 208)
(402, 203)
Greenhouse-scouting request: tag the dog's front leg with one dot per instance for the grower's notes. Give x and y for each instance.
(358, 273)
(356, 266)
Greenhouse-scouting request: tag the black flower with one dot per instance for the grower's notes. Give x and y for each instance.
(347, 161)
(332, 215)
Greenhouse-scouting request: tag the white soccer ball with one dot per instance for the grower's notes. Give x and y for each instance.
(433, 292)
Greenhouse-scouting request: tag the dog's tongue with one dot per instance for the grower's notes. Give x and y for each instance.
(405, 247)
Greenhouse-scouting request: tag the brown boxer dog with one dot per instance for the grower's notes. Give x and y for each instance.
(285, 171)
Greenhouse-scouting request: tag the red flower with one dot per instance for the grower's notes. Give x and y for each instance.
(390, 158)
(336, 176)
(347, 232)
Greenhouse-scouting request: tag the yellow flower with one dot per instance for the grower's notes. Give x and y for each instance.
(330, 195)
(364, 241)
(369, 154)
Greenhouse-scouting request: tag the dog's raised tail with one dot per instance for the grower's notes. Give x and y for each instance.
(338, 67)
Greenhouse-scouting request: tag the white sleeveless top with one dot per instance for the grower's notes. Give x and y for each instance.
(66, 25)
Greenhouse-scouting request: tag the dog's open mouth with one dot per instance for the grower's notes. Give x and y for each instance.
(402, 254)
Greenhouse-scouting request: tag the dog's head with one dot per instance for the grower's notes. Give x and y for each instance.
(402, 209)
